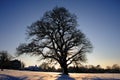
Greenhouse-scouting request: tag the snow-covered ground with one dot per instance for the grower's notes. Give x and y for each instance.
(30, 75)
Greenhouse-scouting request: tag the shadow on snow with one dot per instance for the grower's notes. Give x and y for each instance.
(64, 77)
(100, 79)
(8, 77)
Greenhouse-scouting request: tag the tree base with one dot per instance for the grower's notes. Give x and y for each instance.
(65, 73)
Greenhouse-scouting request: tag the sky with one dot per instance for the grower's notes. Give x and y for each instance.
(98, 19)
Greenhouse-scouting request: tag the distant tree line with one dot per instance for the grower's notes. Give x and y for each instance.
(8, 62)
(95, 69)
(115, 68)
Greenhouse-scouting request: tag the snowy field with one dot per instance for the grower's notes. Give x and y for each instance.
(30, 75)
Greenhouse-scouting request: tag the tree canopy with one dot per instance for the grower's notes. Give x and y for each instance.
(57, 38)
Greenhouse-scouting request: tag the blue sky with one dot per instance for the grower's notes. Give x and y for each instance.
(98, 19)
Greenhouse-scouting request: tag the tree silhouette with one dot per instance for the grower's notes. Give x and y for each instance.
(4, 59)
(56, 38)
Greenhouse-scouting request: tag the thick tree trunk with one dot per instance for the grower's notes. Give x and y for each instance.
(64, 69)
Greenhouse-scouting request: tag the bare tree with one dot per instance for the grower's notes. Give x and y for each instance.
(44, 65)
(116, 66)
(4, 59)
(56, 38)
